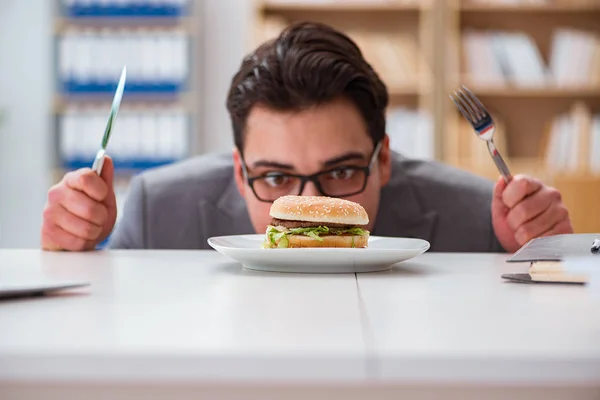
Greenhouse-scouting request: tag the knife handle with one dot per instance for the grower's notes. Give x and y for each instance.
(99, 162)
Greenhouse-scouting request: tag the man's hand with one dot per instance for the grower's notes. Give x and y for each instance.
(525, 209)
(81, 210)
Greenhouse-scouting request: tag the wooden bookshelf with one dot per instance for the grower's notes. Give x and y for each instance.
(560, 7)
(526, 114)
(343, 6)
(536, 93)
(188, 24)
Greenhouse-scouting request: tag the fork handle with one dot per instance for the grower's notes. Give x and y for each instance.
(499, 161)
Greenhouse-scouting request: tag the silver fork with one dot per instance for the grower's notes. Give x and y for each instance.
(477, 115)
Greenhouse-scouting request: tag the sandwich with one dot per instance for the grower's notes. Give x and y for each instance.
(316, 221)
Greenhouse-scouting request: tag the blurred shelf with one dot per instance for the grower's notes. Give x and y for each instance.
(123, 10)
(184, 103)
(344, 6)
(186, 23)
(408, 89)
(524, 165)
(557, 8)
(132, 88)
(169, 88)
(128, 98)
(522, 92)
(123, 167)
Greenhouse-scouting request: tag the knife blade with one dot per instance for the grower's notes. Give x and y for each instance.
(116, 103)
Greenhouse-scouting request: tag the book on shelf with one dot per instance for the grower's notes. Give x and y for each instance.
(480, 60)
(512, 58)
(573, 144)
(90, 59)
(140, 139)
(500, 58)
(397, 58)
(573, 56)
(124, 8)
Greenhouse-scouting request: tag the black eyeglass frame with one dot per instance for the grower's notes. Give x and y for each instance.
(314, 177)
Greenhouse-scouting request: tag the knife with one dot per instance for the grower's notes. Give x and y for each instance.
(99, 160)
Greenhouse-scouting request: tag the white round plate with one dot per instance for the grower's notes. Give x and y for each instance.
(381, 255)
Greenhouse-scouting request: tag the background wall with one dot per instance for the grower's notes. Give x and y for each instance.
(25, 98)
(227, 27)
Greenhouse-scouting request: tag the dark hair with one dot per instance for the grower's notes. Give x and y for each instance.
(306, 65)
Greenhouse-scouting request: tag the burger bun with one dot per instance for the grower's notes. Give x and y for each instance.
(342, 241)
(319, 209)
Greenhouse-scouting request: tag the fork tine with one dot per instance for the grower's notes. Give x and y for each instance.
(467, 106)
(476, 100)
(458, 103)
(465, 97)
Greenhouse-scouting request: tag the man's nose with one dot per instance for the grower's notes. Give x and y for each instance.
(310, 189)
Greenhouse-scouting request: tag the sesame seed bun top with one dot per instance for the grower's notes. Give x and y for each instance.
(319, 209)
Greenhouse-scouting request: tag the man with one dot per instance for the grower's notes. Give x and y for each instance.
(308, 117)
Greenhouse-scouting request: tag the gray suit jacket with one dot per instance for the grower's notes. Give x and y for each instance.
(181, 205)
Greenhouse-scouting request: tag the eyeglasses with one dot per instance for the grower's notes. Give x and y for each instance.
(342, 181)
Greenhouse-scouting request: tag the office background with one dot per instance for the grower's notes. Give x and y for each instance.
(535, 63)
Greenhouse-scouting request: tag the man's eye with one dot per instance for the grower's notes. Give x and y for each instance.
(275, 180)
(342, 173)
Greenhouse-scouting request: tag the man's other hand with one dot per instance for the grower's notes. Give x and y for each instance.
(525, 209)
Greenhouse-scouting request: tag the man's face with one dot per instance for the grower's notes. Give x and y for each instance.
(333, 136)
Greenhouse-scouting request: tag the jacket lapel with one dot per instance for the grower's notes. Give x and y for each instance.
(400, 214)
(234, 204)
(225, 216)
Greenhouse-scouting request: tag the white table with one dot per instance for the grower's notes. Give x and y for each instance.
(186, 323)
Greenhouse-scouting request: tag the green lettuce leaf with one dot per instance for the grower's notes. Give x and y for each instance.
(277, 239)
(274, 238)
(283, 241)
(355, 231)
(313, 235)
(309, 231)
